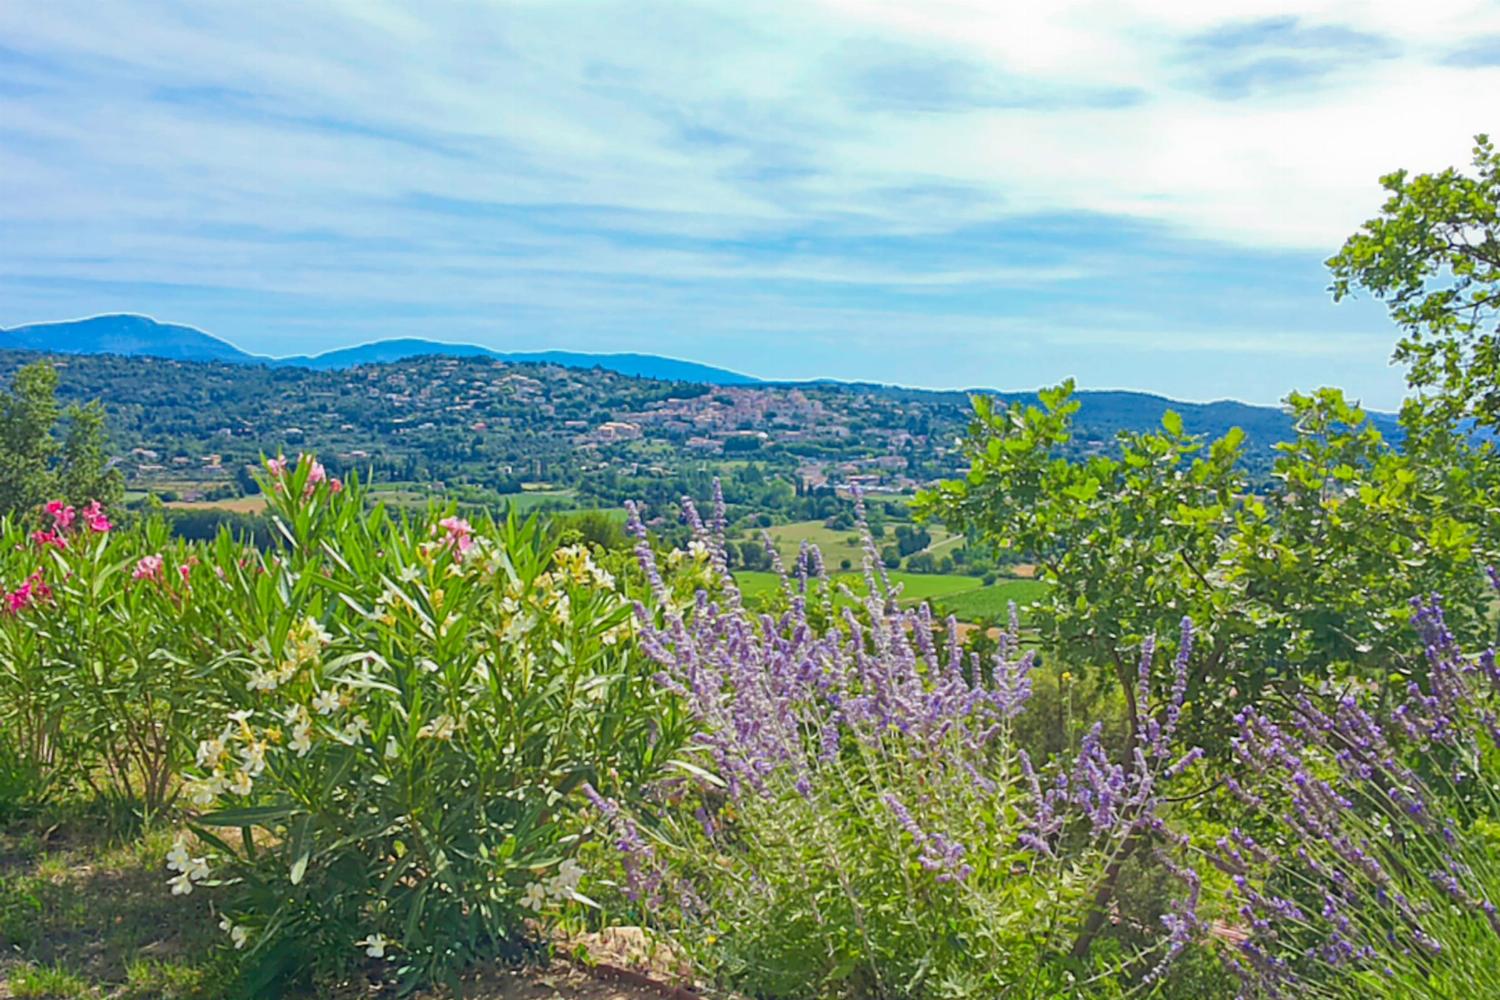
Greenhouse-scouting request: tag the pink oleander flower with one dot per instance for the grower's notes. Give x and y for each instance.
(315, 475)
(45, 538)
(186, 569)
(276, 466)
(335, 484)
(149, 568)
(39, 589)
(16, 600)
(33, 591)
(97, 521)
(459, 534)
(62, 515)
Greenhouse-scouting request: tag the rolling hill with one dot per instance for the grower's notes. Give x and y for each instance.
(1105, 413)
(124, 334)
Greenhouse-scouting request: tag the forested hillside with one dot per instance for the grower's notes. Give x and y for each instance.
(194, 427)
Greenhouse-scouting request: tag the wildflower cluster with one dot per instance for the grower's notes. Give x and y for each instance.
(1375, 863)
(62, 517)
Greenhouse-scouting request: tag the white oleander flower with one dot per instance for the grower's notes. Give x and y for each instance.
(238, 933)
(440, 728)
(374, 945)
(253, 759)
(301, 738)
(210, 753)
(325, 702)
(262, 680)
(240, 784)
(517, 628)
(202, 793)
(535, 897)
(356, 728)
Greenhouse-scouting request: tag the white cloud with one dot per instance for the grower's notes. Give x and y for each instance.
(303, 148)
(573, 103)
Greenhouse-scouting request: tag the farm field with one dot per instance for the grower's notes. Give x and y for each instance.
(839, 544)
(531, 500)
(238, 505)
(992, 601)
(948, 593)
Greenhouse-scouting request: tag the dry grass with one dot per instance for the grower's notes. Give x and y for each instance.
(239, 505)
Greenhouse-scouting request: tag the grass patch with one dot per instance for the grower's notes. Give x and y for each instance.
(81, 916)
(992, 601)
(85, 917)
(838, 545)
(47, 983)
(965, 597)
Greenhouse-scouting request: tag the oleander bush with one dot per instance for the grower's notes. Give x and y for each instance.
(409, 710)
(373, 729)
(107, 640)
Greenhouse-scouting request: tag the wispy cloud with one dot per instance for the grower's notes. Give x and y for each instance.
(951, 192)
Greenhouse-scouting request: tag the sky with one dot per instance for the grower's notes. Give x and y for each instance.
(944, 193)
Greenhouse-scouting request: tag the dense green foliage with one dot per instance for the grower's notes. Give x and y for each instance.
(1433, 255)
(453, 425)
(1304, 582)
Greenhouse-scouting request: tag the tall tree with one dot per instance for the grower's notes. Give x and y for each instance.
(27, 447)
(1433, 256)
(85, 473)
(34, 468)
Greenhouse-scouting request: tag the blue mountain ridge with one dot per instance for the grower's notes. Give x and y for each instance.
(131, 335)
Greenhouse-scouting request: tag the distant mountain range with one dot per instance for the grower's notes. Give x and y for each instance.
(140, 336)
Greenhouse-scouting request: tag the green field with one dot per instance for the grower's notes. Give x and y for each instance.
(525, 503)
(837, 545)
(963, 596)
(992, 601)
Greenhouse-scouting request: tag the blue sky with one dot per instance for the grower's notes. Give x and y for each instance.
(937, 193)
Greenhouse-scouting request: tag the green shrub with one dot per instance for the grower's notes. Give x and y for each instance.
(412, 703)
(104, 651)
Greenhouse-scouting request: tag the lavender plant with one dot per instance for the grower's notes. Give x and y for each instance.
(861, 821)
(1369, 867)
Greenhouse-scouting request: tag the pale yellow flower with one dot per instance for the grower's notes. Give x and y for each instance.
(325, 702)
